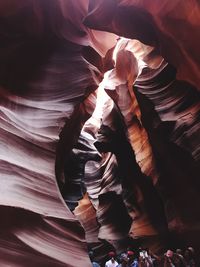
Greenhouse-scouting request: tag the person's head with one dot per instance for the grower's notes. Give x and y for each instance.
(123, 258)
(91, 255)
(111, 255)
(189, 253)
(130, 255)
(169, 253)
(126, 66)
(179, 251)
(191, 249)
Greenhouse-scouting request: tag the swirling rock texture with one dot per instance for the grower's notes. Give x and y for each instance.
(69, 183)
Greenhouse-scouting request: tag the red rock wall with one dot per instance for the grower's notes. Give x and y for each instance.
(46, 95)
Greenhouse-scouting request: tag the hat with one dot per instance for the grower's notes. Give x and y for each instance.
(111, 254)
(130, 253)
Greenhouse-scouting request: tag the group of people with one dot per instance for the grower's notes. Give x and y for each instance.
(145, 258)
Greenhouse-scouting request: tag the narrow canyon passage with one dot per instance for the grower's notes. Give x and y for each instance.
(99, 129)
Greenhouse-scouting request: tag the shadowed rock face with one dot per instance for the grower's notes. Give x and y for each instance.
(60, 193)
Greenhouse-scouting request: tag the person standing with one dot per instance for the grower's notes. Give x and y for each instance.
(133, 261)
(111, 262)
(123, 260)
(94, 263)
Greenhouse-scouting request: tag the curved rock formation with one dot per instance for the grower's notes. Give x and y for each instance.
(78, 174)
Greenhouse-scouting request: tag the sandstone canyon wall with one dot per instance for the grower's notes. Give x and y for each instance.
(69, 183)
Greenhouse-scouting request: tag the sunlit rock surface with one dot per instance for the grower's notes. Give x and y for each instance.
(66, 186)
